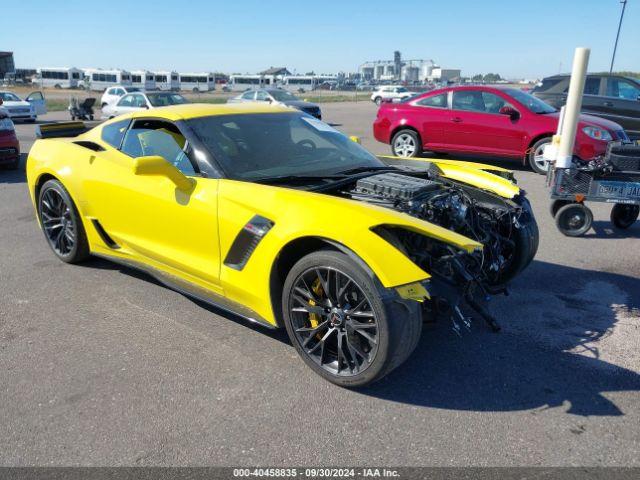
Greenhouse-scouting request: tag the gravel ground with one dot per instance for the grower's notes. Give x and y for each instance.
(100, 365)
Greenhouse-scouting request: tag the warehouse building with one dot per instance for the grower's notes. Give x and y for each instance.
(7, 64)
(410, 71)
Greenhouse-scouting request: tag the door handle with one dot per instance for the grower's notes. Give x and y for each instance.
(608, 104)
(456, 119)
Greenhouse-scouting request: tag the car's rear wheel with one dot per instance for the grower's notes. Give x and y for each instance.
(536, 159)
(342, 322)
(406, 144)
(61, 223)
(378, 101)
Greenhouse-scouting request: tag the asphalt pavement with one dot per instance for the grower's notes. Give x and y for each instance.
(100, 365)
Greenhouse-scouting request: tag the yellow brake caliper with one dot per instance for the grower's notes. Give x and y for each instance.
(314, 318)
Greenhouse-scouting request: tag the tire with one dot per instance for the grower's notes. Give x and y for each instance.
(378, 101)
(195, 90)
(57, 86)
(534, 152)
(623, 215)
(574, 220)
(69, 240)
(526, 241)
(394, 325)
(557, 205)
(406, 144)
(104, 104)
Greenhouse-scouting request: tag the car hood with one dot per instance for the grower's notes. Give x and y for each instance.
(299, 104)
(589, 120)
(11, 104)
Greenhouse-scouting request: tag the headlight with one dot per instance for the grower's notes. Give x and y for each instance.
(6, 125)
(597, 133)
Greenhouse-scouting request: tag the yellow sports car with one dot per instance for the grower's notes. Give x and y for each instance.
(274, 215)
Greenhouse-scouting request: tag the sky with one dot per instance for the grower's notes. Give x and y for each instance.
(517, 39)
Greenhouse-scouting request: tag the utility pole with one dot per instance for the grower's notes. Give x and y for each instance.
(615, 47)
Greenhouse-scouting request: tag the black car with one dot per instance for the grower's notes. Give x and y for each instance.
(612, 97)
(277, 95)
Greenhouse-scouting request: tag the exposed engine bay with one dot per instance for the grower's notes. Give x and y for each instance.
(506, 229)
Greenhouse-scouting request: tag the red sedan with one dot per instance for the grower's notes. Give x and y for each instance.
(9, 145)
(481, 120)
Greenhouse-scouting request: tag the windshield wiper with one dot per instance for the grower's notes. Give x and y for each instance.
(296, 178)
(353, 171)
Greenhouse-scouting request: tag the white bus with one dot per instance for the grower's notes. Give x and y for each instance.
(166, 80)
(245, 82)
(143, 79)
(59, 77)
(306, 82)
(100, 80)
(197, 82)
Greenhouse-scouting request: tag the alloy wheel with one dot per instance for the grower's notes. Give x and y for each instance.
(538, 158)
(404, 145)
(57, 222)
(333, 321)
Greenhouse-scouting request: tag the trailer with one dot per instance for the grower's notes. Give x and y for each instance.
(613, 179)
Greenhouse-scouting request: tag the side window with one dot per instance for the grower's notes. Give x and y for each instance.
(617, 87)
(262, 96)
(492, 103)
(591, 86)
(477, 101)
(114, 133)
(250, 95)
(156, 137)
(126, 101)
(435, 101)
(139, 101)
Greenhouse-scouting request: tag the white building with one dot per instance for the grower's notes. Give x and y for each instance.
(167, 80)
(411, 71)
(443, 75)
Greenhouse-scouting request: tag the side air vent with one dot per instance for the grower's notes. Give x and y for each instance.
(247, 241)
(90, 145)
(104, 235)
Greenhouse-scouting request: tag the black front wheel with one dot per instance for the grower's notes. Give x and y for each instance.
(342, 322)
(623, 215)
(574, 220)
(61, 223)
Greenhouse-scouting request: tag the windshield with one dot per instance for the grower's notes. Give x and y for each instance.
(9, 97)
(282, 95)
(534, 104)
(164, 99)
(259, 146)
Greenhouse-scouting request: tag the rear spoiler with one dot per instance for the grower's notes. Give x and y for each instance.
(60, 129)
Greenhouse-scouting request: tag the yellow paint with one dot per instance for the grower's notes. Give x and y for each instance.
(414, 291)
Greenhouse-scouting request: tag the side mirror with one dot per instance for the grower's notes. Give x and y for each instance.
(512, 112)
(355, 139)
(158, 166)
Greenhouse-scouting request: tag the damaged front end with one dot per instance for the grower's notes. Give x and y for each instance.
(504, 228)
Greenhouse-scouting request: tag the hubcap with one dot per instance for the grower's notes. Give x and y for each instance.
(404, 146)
(538, 158)
(57, 222)
(333, 321)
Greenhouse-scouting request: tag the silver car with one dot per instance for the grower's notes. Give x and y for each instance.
(278, 96)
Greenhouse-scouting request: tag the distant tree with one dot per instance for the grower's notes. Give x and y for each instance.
(477, 78)
(492, 77)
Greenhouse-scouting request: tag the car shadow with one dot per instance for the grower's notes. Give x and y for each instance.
(14, 176)
(605, 229)
(549, 353)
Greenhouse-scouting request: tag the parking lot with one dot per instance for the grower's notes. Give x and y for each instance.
(101, 365)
